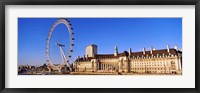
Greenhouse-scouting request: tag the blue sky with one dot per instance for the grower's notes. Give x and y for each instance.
(106, 33)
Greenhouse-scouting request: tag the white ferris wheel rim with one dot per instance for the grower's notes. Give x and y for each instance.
(71, 37)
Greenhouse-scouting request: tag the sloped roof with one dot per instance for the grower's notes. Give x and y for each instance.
(156, 52)
(135, 54)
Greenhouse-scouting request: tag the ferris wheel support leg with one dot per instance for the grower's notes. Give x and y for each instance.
(49, 70)
(59, 71)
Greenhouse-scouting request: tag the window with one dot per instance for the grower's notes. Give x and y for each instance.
(173, 65)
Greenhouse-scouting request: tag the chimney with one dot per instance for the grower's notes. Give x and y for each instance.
(168, 48)
(78, 58)
(151, 50)
(176, 47)
(116, 51)
(129, 52)
(144, 51)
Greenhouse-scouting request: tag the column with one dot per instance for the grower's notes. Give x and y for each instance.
(179, 62)
(103, 66)
(176, 64)
(106, 66)
(119, 69)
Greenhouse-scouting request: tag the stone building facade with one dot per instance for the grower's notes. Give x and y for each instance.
(163, 61)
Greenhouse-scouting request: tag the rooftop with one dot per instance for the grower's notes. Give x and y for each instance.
(133, 54)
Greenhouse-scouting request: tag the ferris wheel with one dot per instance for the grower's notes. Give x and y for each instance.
(65, 57)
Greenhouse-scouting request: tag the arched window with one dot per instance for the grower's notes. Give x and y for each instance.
(173, 65)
